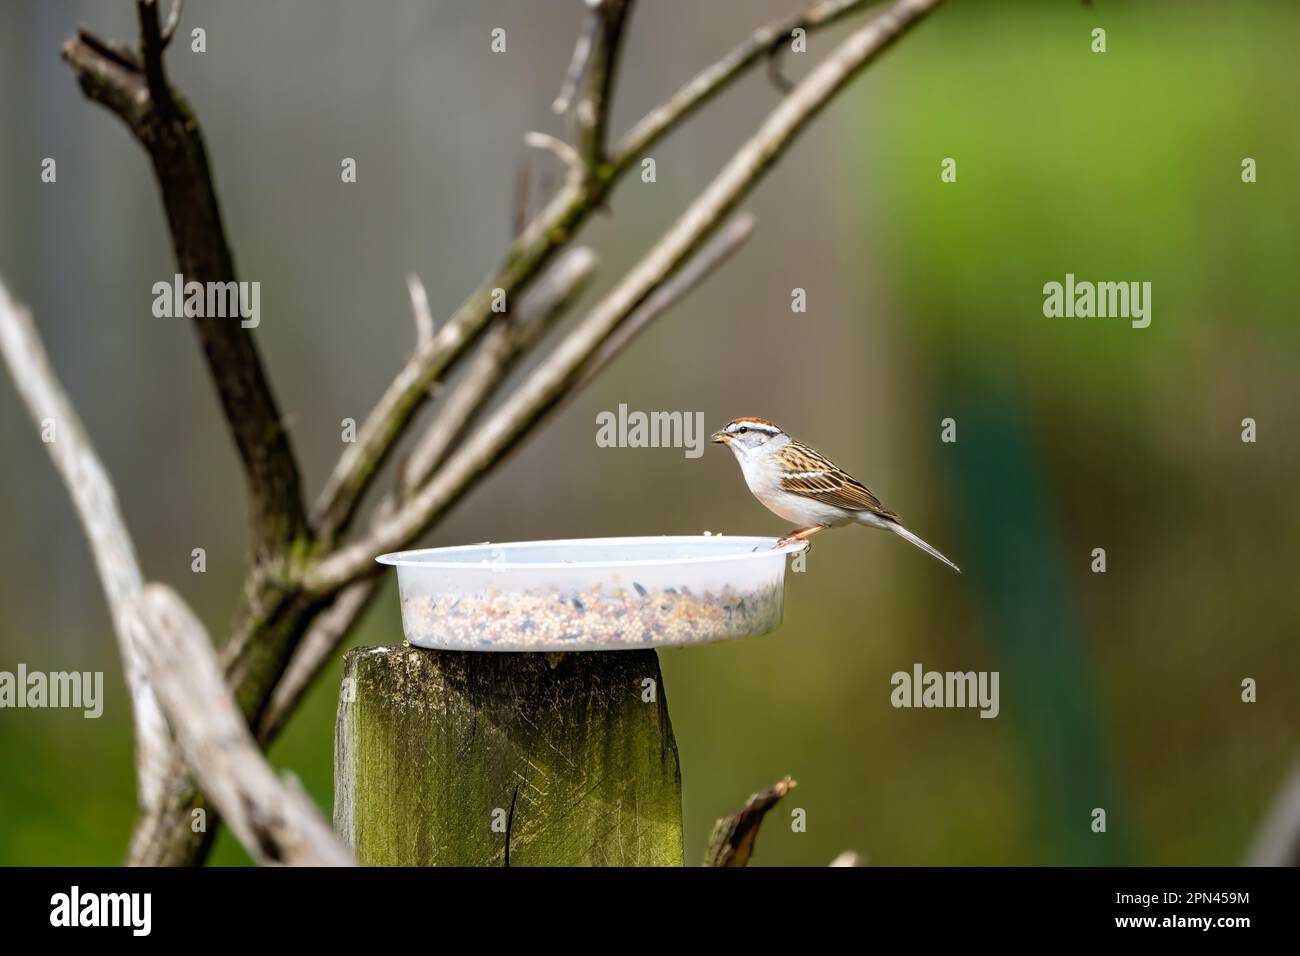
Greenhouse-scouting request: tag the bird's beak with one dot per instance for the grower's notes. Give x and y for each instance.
(720, 438)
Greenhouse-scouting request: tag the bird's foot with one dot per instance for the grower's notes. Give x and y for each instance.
(802, 535)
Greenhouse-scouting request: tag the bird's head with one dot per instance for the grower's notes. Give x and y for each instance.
(747, 436)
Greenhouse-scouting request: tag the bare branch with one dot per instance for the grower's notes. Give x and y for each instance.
(566, 153)
(710, 257)
(581, 58)
(275, 823)
(732, 842)
(717, 77)
(175, 145)
(173, 21)
(553, 379)
(96, 503)
(502, 346)
(168, 660)
(151, 52)
(594, 108)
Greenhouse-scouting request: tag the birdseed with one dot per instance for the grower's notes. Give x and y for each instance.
(589, 619)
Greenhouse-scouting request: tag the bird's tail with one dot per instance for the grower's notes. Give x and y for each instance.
(906, 535)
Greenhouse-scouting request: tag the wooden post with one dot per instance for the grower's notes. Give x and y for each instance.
(453, 758)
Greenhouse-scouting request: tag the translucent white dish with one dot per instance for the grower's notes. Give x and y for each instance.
(591, 594)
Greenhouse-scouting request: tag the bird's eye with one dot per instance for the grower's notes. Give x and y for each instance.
(743, 429)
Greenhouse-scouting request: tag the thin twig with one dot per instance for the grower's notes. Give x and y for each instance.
(711, 255)
(173, 21)
(538, 311)
(152, 45)
(553, 379)
(558, 147)
(420, 309)
(593, 109)
(713, 80)
(732, 841)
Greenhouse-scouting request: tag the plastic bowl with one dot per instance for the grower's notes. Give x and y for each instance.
(591, 594)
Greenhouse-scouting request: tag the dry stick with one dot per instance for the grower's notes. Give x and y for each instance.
(580, 59)
(275, 823)
(732, 841)
(152, 45)
(555, 376)
(503, 346)
(168, 659)
(96, 503)
(134, 87)
(594, 107)
(173, 21)
(529, 253)
(716, 78)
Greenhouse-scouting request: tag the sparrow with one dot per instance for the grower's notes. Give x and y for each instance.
(801, 485)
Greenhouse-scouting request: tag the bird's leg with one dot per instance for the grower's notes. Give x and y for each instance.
(803, 534)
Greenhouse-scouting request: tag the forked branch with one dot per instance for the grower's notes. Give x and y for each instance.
(135, 89)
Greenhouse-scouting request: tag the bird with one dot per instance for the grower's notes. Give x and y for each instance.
(800, 484)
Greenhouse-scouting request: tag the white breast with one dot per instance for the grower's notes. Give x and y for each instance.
(764, 481)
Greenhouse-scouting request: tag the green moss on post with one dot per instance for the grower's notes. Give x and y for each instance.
(451, 758)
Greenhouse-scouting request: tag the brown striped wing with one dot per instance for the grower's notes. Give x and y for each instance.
(815, 477)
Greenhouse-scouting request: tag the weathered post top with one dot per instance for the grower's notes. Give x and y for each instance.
(499, 759)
